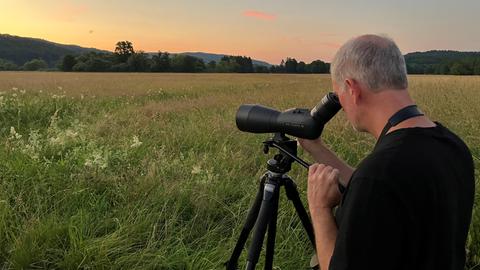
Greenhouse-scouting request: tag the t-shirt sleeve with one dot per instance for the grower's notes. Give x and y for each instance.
(370, 231)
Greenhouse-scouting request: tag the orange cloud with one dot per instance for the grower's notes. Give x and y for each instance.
(259, 15)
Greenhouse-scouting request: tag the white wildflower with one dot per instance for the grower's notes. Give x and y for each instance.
(23, 91)
(196, 169)
(71, 133)
(60, 88)
(14, 135)
(97, 160)
(59, 140)
(34, 145)
(14, 88)
(53, 127)
(136, 142)
(14, 95)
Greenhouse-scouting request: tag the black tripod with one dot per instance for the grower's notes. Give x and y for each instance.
(263, 213)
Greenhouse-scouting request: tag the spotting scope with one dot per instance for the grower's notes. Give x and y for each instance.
(298, 122)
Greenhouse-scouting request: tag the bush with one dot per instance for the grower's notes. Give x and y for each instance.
(7, 65)
(35, 64)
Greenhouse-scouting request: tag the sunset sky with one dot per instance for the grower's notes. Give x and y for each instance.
(266, 30)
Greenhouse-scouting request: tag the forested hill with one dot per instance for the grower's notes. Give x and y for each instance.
(443, 62)
(21, 53)
(22, 49)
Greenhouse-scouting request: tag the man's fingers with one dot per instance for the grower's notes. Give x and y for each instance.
(334, 173)
(315, 168)
(312, 169)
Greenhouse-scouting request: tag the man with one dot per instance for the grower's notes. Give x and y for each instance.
(408, 204)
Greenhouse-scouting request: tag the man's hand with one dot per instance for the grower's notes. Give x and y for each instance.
(311, 146)
(323, 193)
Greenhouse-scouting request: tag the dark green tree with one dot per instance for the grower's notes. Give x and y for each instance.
(35, 64)
(318, 66)
(123, 50)
(476, 67)
(68, 62)
(291, 65)
(161, 62)
(211, 66)
(301, 67)
(138, 62)
(459, 68)
(261, 69)
(7, 65)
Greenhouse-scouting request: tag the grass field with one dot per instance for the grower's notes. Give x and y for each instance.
(148, 171)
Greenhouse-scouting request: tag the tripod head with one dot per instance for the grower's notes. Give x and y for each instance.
(282, 162)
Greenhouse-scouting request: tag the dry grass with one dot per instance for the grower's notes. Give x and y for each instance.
(148, 171)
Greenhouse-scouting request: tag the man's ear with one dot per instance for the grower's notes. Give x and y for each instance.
(354, 89)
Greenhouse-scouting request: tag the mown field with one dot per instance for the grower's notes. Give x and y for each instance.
(148, 171)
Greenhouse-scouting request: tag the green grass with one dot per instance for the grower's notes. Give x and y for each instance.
(77, 190)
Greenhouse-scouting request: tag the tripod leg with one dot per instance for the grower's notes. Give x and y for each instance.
(272, 230)
(264, 217)
(247, 227)
(292, 194)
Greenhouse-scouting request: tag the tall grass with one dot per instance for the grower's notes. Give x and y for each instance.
(148, 171)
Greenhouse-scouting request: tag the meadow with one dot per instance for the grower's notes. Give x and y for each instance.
(148, 171)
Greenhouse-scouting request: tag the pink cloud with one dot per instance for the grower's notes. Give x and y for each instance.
(259, 15)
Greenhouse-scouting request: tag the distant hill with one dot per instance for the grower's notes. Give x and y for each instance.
(22, 49)
(443, 62)
(438, 56)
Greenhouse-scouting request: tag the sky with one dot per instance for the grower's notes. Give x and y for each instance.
(268, 30)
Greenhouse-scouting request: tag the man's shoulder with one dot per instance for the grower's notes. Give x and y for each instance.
(413, 150)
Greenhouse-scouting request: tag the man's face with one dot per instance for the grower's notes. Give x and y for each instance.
(350, 108)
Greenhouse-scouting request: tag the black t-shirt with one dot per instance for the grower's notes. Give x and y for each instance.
(408, 204)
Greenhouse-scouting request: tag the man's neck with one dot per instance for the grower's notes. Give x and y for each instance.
(386, 104)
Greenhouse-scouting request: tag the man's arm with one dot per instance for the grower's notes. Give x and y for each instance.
(323, 195)
(325, 236)
(321, 154)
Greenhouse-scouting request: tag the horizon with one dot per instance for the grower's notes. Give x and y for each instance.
(263, 31)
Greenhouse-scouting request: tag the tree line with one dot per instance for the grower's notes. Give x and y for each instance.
(126, 59)
(466, 66)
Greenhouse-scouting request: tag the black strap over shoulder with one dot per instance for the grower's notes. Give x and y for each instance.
(400, 116)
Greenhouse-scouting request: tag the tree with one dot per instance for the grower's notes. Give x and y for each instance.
(442, 69)
(301, 67)
(138, 62)
(291, 65)
(261, 69)
(187, 63)
(7, 65)
(476, 67)
(35, 64)
(68, 63)
(318, 66)
(161, 62)
(93, 62)
(123, 50)
(211, 66)
(458, 69)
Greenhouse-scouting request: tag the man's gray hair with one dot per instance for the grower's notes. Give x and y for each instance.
(373, 60)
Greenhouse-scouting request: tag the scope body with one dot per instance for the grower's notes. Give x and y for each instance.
(298, 122)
